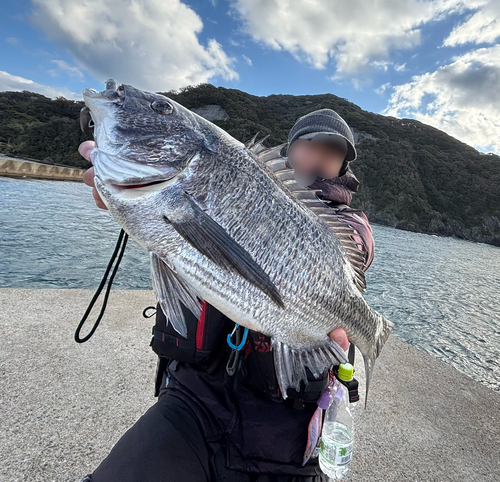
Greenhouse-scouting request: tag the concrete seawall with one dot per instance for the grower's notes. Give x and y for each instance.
(64, 405)
(19, 168)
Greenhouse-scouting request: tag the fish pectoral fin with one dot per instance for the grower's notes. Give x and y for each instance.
(173, 292)
(211, 240)
(291, 363)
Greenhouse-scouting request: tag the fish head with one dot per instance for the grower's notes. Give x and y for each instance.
(141, 137)
(146, 144)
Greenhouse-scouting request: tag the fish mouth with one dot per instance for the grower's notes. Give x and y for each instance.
(138, 179)
(113, 92)
(94, 100)
(86, 122)
(133, 191)
(144, 186)
(137, 186)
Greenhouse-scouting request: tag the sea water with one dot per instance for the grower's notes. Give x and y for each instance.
(441, 293)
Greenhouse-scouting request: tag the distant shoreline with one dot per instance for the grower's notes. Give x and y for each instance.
(23, 168)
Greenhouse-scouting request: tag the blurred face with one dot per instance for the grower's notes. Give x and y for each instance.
(321, 158)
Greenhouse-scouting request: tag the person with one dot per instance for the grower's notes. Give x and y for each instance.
(221, 416)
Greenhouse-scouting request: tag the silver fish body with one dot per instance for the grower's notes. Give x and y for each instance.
(228, 224)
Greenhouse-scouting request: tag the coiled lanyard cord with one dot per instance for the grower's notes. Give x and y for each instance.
(119, 250)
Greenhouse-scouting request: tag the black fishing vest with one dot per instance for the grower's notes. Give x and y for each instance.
(206, 346)
(246, 421)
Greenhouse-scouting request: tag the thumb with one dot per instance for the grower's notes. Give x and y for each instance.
(85, 149)
(339, 336)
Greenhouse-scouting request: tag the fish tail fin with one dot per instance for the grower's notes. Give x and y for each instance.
(371, 355)
(290, 363)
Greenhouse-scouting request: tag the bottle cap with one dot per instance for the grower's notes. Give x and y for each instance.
(346, 372)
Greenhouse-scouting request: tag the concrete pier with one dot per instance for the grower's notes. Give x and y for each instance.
(64, 405)
(13, 167)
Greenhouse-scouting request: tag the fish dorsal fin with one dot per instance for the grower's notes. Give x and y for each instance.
(251, 142)
(271, 157)
(257, 147)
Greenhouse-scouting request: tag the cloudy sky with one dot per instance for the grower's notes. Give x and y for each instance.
(437, 61)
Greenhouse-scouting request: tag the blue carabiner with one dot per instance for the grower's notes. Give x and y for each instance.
(243, 341)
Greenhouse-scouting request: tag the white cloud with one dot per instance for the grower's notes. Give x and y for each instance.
(352, 34)
(152, 44)
(385, 64)
(15, 83)
(461, 98)
(247, 60)
(381, 64)
(65, 67)
(482, 27)
(380, 90)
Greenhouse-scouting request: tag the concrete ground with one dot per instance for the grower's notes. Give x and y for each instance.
(64, 405)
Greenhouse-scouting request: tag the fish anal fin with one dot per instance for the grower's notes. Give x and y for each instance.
(290, 363)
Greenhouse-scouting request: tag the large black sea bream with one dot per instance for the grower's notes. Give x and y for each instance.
(227, 223)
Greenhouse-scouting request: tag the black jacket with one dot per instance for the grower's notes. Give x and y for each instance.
(243, 416)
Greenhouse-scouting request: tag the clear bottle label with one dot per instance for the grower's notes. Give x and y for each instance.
(343, 455)
(336, 454)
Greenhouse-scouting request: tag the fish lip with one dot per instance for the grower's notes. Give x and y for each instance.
(134, 184)
(113, 91)
(114, 94)
(134, 191)
(91, 93)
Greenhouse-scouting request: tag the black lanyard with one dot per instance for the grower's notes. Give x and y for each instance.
(119, 250)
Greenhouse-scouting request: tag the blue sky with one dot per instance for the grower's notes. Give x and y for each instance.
(437, 61)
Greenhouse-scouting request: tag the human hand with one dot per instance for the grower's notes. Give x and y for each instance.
(88, 177)
(340, 336)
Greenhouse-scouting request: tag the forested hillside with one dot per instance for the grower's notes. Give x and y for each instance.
(412, 176)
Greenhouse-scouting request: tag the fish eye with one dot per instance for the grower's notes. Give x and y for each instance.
(162, 107)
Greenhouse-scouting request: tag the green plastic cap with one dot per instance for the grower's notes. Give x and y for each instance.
(346, 372)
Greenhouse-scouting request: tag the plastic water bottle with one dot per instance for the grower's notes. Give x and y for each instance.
(337, 435)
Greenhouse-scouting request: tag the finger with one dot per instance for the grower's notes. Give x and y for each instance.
(98, 200)
(101, 205)
(85, 148)
(339, 336)
(88, 177)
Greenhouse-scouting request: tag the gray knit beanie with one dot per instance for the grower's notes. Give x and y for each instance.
(323, 121)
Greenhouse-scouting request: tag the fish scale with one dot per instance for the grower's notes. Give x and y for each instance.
(229, 224)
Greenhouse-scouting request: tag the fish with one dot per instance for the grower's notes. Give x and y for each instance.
(227, 222)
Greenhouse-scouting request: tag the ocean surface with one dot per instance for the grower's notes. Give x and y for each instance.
(443, 294)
